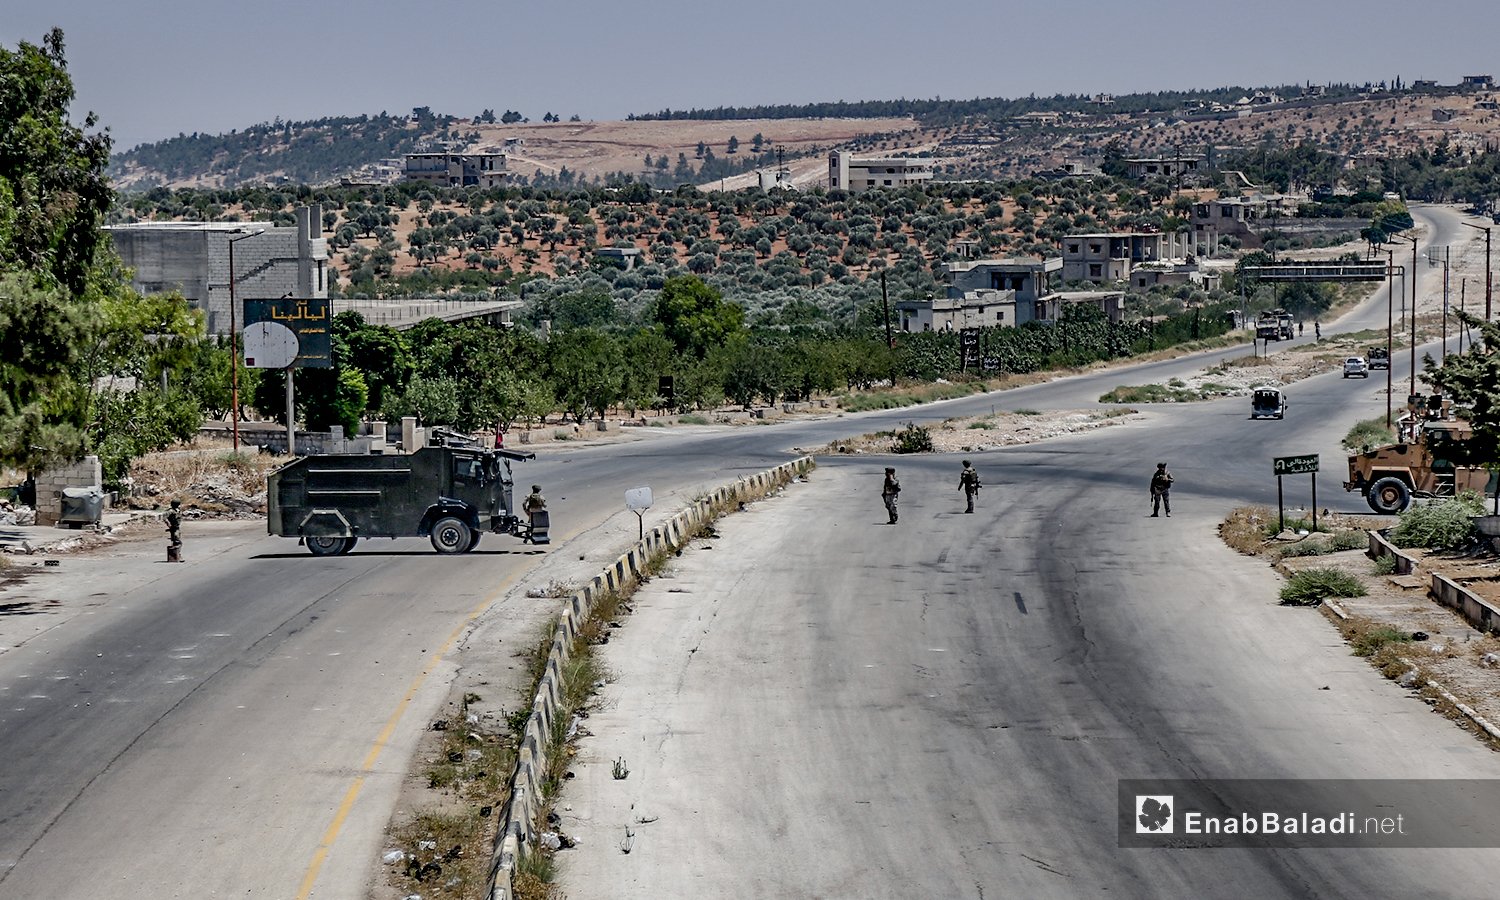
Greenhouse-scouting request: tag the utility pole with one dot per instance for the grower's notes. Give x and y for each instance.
(1390, 321)
(234, 348)
(885, 311)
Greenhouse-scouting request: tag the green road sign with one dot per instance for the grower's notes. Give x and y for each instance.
(1295, 465)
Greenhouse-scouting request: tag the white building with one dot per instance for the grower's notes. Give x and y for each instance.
(848, 173)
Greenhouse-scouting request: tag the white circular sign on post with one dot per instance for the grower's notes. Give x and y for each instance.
(270, 345)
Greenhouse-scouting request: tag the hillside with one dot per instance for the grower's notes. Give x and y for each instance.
(979, 139)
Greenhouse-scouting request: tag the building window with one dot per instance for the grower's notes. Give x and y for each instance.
(1039, 310)
(887, 182)
(1095, 248)
(1072, 248)
(1096, 270)
(999, 315)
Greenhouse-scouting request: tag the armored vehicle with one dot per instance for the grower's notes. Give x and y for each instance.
(450, 494)
(1379, 358)
(1390, 476)
(1275, 325)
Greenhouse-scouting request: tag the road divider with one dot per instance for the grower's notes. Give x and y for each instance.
(519, 830)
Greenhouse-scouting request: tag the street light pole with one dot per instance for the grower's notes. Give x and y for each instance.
(1390, 321)
(1487, 283)
(234, 350)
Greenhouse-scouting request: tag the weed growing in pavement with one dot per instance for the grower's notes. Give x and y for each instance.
(1385, 565)
(1311, 587)
(1320, 545)
(1445, 525)
(533, 879)
(913, 439)
(1370, 641)
(449, 844)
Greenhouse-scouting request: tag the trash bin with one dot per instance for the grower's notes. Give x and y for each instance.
(81, 506)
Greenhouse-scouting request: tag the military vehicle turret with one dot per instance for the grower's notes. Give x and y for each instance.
(1389, 477)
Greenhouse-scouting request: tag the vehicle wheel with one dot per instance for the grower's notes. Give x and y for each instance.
(1389, 496)
(349, 543)
(451, 535)
(474, 541)
(325, 546)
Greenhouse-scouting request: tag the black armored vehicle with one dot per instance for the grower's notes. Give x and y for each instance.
(451, 494)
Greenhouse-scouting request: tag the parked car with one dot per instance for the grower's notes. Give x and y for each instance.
(1267, 403)
(1356, 365)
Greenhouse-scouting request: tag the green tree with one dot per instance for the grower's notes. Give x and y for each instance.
(53, 190)
(587, 371)
(385, 358)
(694, 316)
(432, 399)
(39, 334)
(1472, 380)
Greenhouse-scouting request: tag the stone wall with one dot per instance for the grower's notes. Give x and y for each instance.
(49, 486)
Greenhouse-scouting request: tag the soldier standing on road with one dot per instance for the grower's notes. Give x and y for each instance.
(968, 482)
(174, 530)
(1161, 490)
(890, 491)
(534, 501)
(1317, 331)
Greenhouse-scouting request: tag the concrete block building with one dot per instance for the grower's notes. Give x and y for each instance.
(1108, 257)
(193, 257)
(445, 169)
(1028, 278)
(848, 173)
(973, 309)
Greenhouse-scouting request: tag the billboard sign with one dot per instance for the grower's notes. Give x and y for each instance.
(268, 324)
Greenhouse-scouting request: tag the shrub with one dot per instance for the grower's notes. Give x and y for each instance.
(1369, 434)
(1370, 642)
(1311, 586)
(1438, 526)
(913, 439)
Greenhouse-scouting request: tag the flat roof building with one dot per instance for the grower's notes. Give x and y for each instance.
(848, 173)
(270, 261)
(446, 169)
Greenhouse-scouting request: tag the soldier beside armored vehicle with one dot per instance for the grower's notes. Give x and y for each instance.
(448, 494)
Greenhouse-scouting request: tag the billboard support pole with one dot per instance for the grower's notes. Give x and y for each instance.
(291, 414)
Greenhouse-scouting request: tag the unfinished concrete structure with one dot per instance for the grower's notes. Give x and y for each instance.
(193, 258)
(447, 169)
(848, 173)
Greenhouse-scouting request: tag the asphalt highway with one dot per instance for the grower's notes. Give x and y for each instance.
(241, 724)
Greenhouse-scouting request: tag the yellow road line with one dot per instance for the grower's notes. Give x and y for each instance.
(347, 806)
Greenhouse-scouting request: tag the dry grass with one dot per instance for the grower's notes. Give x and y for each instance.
(447, 844)
(211, 478)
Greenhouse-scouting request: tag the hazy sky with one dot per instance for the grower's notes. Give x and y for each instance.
(153, 68)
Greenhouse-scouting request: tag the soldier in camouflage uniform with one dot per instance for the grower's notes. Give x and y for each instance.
(968, 482)
(890, 491)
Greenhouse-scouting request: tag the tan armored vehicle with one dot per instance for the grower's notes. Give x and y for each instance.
(1390, 476)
